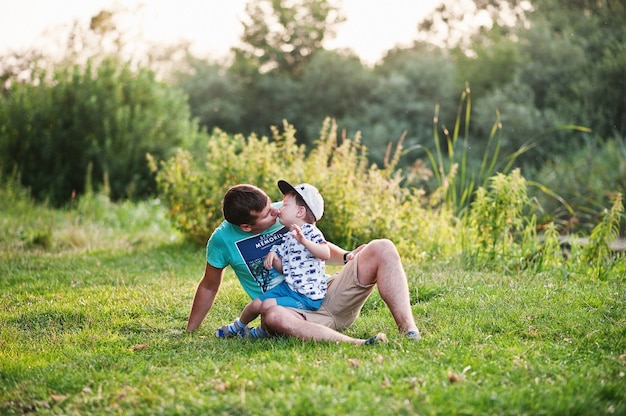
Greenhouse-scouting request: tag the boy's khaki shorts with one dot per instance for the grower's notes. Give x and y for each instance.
(344, 299)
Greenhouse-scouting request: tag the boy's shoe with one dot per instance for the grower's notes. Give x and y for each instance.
(229, 330)
(256, 332)
(413, 335)
(376, 339)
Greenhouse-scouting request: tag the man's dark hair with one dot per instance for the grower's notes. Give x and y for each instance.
(243, 203)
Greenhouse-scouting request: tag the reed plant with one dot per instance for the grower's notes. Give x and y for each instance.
(456, 181)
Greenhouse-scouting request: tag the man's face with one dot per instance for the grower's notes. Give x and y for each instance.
(264, 219)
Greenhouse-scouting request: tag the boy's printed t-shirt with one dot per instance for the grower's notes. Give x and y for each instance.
(303, 271)
(229, 245)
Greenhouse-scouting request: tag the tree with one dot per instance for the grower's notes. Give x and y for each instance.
(573, 59)
(410, 83)
(456, 23)
(493, 62)
(97, 119)
(282, 35)
(17, 67)
(215, 96)
(332, 85)
(607, 90)
(269, 100)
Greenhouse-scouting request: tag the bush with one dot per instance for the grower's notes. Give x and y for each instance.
(107, 117)
(362, 202)
(498, 229)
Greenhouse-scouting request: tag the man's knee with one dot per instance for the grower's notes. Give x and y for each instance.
(266, 305)
(272, 316)
(382, 249)
(277, 318)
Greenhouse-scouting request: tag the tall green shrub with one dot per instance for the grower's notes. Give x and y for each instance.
(362, 201)
(497, 229)
(596, 258)
(107, 116)
(192, 187)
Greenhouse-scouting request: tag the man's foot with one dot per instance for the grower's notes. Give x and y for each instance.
(230, 330)
(256, 332)
(376, 339)
(414, 335)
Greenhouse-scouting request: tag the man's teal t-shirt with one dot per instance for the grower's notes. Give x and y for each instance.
(245, 252)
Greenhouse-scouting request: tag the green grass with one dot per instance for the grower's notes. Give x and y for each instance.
(92, 319)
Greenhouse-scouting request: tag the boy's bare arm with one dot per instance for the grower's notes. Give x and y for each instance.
(321, 251)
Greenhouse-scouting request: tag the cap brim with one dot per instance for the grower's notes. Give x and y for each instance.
(285, 187)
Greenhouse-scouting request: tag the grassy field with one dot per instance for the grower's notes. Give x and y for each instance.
(94, 301)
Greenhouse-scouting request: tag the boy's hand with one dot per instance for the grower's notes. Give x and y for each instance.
(269, 260)
(297, 233)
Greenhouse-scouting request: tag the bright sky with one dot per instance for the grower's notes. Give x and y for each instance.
(372, 26)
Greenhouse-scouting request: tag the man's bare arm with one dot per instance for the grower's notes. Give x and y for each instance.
(205, 296)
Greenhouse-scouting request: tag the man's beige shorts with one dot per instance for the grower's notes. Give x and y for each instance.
(345, 297)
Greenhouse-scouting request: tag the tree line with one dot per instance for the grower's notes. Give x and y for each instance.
(560, 63)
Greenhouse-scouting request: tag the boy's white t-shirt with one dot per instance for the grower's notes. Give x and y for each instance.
(304, 273)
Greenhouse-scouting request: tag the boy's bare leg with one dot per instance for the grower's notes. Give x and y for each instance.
(251, 311)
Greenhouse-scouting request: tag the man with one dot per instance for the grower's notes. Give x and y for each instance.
(243, 240)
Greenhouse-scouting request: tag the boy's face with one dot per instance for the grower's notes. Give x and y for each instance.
(289, 211)
(264, 219)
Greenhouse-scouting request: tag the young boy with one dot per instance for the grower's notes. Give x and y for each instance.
(300, 258)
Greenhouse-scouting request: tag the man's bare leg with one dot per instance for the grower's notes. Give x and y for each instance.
(285, 321)
(380, 263)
